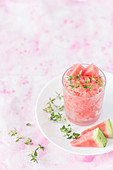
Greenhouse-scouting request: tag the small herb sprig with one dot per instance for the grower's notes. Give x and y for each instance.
(87, 84)
(56, 115)
(68, 132)
(51, 106)
(27, 141)
(34, 153)
(70, 78)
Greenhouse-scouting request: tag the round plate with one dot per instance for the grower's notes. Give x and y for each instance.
(51, 130)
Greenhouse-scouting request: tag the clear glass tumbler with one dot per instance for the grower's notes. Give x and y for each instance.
(83, 110)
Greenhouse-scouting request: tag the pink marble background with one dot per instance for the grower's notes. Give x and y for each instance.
(39, 39)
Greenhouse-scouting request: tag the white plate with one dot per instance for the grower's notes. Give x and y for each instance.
(51, 129)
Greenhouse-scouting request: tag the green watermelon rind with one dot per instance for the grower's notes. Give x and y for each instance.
(99, 138)
(109, 128)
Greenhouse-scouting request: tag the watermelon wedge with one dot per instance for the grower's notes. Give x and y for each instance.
(94, 138)
(91, 70)
(76, 68)
(105, 126)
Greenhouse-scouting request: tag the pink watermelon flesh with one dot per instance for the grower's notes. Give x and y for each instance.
(94, 138)
(84, 141)
(105, 127)
(76, 68)
(91, 70)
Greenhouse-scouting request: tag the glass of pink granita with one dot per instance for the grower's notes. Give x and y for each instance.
(83, 93)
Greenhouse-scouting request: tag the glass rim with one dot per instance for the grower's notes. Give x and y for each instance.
(84, 96)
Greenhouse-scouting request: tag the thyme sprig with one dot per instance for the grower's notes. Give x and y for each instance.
(56, 115)
(79, 75)
(70, 78)
(67, 130)
(50, 105)
(34, 153)
(27, 141)
(87, 84)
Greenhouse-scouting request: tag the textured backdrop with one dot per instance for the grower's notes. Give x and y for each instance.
(39, 39)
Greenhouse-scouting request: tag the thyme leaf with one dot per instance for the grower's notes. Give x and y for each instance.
(28, 124)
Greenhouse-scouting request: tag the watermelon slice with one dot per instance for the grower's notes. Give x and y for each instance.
(91, 70)
(94, 138)
(76, 68)
(105, 126)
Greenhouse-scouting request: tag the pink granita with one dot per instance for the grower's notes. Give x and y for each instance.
(83, 91)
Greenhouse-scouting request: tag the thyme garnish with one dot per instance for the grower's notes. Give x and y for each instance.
(87, 84)
(56, 115)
